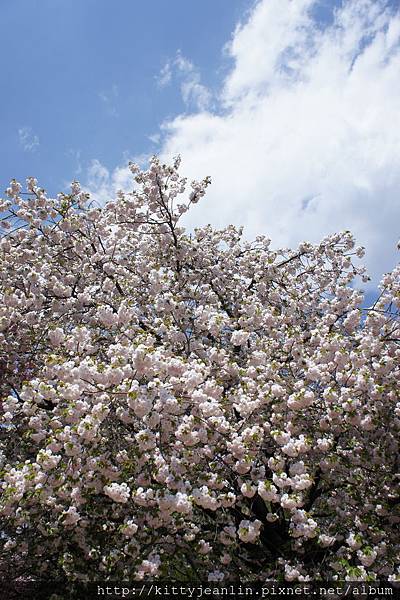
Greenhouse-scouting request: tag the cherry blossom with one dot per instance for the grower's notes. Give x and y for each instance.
(191, 405)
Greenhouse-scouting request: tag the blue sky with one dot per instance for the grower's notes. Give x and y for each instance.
(80, 75)
(291, 106)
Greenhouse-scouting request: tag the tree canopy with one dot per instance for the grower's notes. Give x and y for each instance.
(191, 405)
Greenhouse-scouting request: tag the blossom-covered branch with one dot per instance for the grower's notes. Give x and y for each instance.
(190, 405)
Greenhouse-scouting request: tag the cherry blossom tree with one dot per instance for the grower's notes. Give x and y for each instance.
(190, 405)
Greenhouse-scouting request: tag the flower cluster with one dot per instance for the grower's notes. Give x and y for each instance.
(190, 404)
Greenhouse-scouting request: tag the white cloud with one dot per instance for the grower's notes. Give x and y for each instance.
(155, 138)
(193, 92)
(27, 139)
(165, 75)
(103, 185)
(266, 49)
(304, 138)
